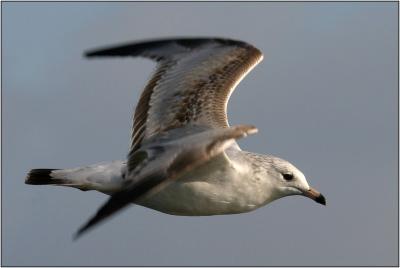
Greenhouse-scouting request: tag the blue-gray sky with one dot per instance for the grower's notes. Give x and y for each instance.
(324, 98)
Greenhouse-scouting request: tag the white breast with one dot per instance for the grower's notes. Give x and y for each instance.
(219, 187)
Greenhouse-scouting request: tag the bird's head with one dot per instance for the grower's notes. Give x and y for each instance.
(289, 180)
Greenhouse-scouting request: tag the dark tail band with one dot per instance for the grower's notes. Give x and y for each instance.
(41, 177)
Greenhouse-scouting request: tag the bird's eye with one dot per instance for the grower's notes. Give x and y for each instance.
(288, 176)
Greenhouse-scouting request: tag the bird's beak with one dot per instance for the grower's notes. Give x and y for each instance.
(315, 195)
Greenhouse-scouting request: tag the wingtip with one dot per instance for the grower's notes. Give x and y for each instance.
(90, 53)
(86, 54)
(252, 130)
(137, 48)
(75, 236)
(83, 229)
(247, 129)
(100, 52)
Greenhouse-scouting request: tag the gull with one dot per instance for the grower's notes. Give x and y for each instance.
(184, 158)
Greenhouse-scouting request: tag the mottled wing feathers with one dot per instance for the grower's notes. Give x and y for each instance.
(192, 82)
(155, 165)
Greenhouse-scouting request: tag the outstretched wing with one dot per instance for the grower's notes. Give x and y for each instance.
(155, 165)
(191, 85)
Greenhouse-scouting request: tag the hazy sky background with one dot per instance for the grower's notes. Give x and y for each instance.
(324, 98)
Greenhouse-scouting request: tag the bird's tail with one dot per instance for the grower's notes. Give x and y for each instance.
(104, 177)
(44, 177)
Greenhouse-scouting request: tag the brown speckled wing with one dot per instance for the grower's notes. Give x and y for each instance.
(192, 82)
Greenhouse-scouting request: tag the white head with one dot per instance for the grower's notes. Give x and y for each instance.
(288, 180)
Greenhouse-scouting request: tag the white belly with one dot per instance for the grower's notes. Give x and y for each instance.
(215, 188)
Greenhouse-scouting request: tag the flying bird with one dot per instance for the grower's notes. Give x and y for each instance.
(183, 158)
